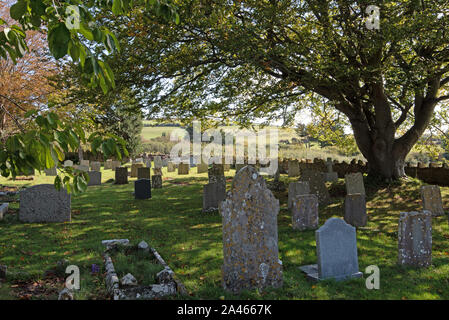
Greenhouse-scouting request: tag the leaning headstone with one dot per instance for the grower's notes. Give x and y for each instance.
(171, 167)
(108, 164)
(95, 166)
(43, 203)
(317, 185)
(156, 181)
(202, 167)
(354, 183)
(250, 235)
(143, 173)
(415, 238)
(213, 195)
(158, 162)
(305, 212)
(84, 163)
(51, 172)
(134, 168)
(68, 163)
(94, 178)
(336, 249)
(121, 175)
(355, 210)
(142, 189)
(183, 168)
(293, 168)
(431, 200)
(296, 189)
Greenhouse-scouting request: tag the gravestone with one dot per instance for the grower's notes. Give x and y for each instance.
(115, 165)
(95, 166)
(250, 235)
(355, 210)
(68, 163)
(82, 168)
(143, 173)
(330, 175)
(293, 168)
(183, 168)
(108, 164)
(213, 195)
(43, 203)
(415, 238)
(431, 200)
(354, 183)
(147, 162)
(336, 248)
(171, 167)
(305, 212)
(156, 181)
(216, 174)
(202, 167)
(94, 178)
(84, 163)
(157, 162)
(3, 209)
(157, 171)
(164, 162)
(134, 168)
(51, 172)
(317, 185)
(121, 175)
(296, 189)
(142, 189)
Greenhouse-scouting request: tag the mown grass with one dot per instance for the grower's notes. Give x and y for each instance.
(191, 242)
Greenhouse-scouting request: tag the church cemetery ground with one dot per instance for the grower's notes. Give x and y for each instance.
(190, 241)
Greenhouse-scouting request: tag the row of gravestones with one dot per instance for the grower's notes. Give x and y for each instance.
(250, 238)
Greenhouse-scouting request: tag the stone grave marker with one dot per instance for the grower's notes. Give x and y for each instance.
(43, 203)
(84, 163)
(355, 210)
(95, 166)
(143, 173)
(317, 185)
(183, 168)
(3, 209)
(336, 248)
(213, 195)
(296, 189)
(250, 235)
(134, 168)
(52, 172)
(157, 171)
(142, 189)
(108, 164)
(94, 178)
(115, 165)
(158, 162)
(202, 167)
(330, 175)
(216, 174)
(305, 212)
(415, 238)
(354, 183)
(293, 168)
(156, 181)
(121, 175)
(431, 200)
(171, 166)
(68, 163)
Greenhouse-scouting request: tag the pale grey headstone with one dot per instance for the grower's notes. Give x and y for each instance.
(3, 209)
(431, 200)
(305, 212)
(95, 166)
(213, 195)
(355, 210)
(156, 181)
(317, 185)
(94, 178)
(354, 183)
(158, 162)
(296, 189)
(68, 163)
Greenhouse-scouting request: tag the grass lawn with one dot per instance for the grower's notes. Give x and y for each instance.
(191, 242)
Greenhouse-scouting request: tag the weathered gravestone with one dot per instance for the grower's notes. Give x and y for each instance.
(183, 168)
(82, 168)
(143, 173)
(336, 249)
(317, 185)
(330, 175)
(293, 168)
(134, 168)
(164, 162)
(142, 189)
(3, 209)
(51, 172)
(157, 171)
(216, 174)
(156, 181)
(115, 165)
(202, 167)
(171, 167)
(431, 200)
(415, 238)
(158, 162)
(43, 203)
(250, 235)
(121, 175)
(68, 163)
(95, 166)
(213, 195)
(296, 189)
(355, 210)
(354, 183)
(94, 178)
(84, 163)
(147, 162)
(305, 212)
(108, 164)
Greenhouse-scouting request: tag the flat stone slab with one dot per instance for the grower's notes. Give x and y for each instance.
(311, 272)
(114, 241)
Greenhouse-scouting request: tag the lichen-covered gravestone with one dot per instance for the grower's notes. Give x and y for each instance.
(94, 178)
(355, 210)
(156, 181)
(43, 203)
(121, 175)
(305, 212)
(171, 167)
(142, 189)
(293, 168)
(354, 183)
(296, 189)
(336, 249)
(213, 195)
(216, 174)
(415, 238)
(317, 185)
(183, 168)
(143, 173)
(250, 235)
(431, 200)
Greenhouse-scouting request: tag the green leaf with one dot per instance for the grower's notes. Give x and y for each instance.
(18, 10)
(58, 40)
